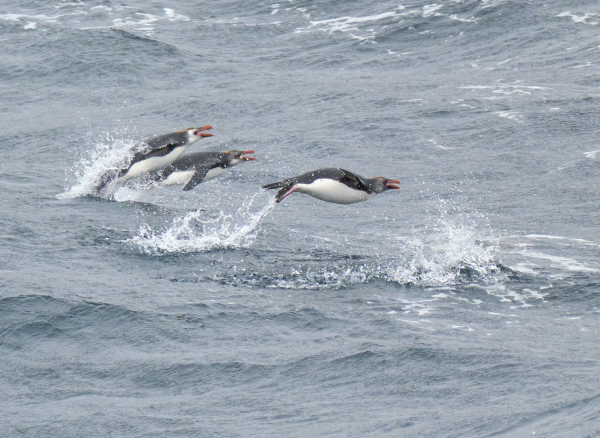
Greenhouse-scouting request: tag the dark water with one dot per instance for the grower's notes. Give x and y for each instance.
(463, 305)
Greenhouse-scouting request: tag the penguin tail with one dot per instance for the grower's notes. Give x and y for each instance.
(104, 180)
(276, 185)
(109, 177)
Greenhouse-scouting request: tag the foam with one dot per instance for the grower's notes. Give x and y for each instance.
(348, 24)
(570, 239)
(524, 268)
(327, 278)
(429, 10)
(463, 20)
(511, 115)
(142, 24)
(505, 86)
(462, 327)
(580, 18)
(67, 4)
(342, 24)
(195, 233)
(44, 18)
(591, 154)
(564, 262)
(352, 25)
(172, 16)
(415, 324)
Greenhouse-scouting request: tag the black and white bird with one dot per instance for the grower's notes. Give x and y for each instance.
(157, 153)
(333, 185)
(193, 169)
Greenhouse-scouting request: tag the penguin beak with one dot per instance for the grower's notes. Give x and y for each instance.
(247, 158)
(391, 182)
(199, 132)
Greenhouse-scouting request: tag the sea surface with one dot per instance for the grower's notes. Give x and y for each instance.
(465, 304)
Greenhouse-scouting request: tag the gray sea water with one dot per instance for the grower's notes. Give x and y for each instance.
(465, 304)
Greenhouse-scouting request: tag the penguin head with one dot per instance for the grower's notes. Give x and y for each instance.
(236, 157)
(195, 134)
(380, 184)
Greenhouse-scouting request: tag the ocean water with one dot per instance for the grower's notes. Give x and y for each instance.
(465, 304)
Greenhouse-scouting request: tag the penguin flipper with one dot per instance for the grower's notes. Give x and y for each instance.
(199, 175)
(104, 180)
(109, 177)
(353, 181)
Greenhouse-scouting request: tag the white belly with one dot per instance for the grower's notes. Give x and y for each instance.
(178, 177)
(213, 173)
(182, 177)
(333, 191)
(154, 163)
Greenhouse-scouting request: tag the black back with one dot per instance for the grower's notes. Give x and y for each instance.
(174, 138)
(205, 159)
(201, 159)
(160, 146)
(352, 180)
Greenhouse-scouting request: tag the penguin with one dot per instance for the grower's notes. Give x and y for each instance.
(333, 185)
(157, 153)
(193, 169)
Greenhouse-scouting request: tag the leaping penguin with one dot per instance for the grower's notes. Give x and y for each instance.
(333, 185)
(158, 152)
(193, 169)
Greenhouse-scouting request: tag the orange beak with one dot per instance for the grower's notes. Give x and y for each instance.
(247, 158)
(391, 182)
(204, 134)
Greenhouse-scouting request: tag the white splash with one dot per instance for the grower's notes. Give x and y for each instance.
(353, 26)
(591, 154)
(511, 115)
(507, 88)
(449, 252)
(453, 250)
(41, 17)
(559, 262)
(343, 24)
(580, 18)
(349, 24)
(109, 155)
(429, 10)
(172, 16)
(331, 277)
(463, 20)
(194, 233)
